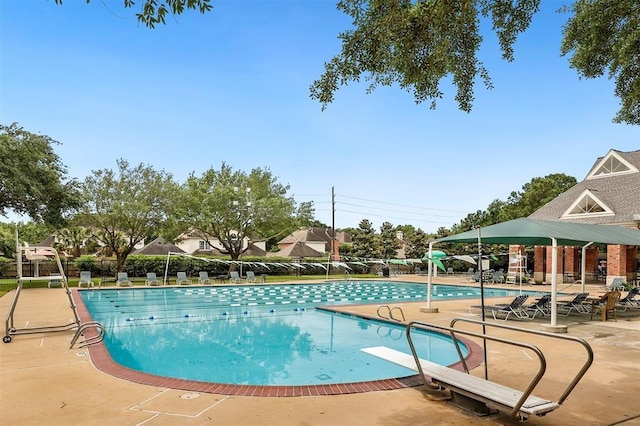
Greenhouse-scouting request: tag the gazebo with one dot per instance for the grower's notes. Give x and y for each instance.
(541, 232)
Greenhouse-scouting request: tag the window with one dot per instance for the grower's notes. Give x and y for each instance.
(204, 245)
(587, 204)
(611, 164)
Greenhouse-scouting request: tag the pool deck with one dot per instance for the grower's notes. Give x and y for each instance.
(42, 381)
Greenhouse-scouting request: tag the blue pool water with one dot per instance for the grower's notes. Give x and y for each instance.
(263, 335)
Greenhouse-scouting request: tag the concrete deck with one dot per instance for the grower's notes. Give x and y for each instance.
(42, 381)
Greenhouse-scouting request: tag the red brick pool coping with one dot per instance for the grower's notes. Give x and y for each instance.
(102, 360)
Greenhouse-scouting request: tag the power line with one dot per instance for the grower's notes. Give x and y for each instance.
(365, 215)
(396, 211)
(400, 205)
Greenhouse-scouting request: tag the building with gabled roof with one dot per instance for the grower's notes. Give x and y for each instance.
(316, 238)
(609, 195)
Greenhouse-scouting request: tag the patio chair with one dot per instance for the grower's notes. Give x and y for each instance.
(498, 277)
(123, 280)
(616, 284)
(234, 277)
(203, 278)
(505, 310)
(475, 277)
(449, 271)
(541, 306)
(251, 277)
(629, 301)
(55, 281)
(576, 304)
(606, 305)
(152, 279)
(181, 278)
(85, 279)
(470, 271)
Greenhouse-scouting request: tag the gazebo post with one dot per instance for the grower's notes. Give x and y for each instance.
(553, 326)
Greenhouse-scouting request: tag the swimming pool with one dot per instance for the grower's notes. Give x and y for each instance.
(261, 335)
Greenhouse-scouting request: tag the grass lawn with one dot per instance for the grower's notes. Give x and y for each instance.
(8, 284)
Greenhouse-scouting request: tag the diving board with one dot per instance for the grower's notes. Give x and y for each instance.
(493, 394)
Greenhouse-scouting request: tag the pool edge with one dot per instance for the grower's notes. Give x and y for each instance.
(102, 361)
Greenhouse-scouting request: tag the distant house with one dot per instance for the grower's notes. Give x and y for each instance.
(609, 195)
(192, 243)
(298, 250)
(316, 239)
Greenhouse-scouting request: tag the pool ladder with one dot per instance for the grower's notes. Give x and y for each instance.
(91, 340)
(389, 311)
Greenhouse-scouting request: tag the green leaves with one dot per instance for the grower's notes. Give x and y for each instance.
(127, 205)
(154, 12)
(233, 206)
(417, 44)
(34, 180)
(602, 37)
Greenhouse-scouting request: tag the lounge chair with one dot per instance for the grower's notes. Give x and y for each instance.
(505, 310)
(85, 279)
(497, 277)
(576, 304)
(629, 301)
(541, 306)
(123, 280)
(251, 277)
(203, 278)
(181, 278)
(616, 284)
(470, 271)
(449, 271)
(152, 279)
(606, 305)
(475, 277)
(234, 277)
(55, 281)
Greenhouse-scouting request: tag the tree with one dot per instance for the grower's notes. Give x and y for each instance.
(126, 206)
(535, 194)
(416, 44)
(73, 239)
(34, 180)
(364, 241)
(417, 244)
(30, 232)
(603, 37)
(389, 243)
(230, 206)
(153, 12)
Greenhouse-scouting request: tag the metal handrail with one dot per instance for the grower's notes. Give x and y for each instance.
(390, 310)
(582, 342)
(90, 340)
(452, 331)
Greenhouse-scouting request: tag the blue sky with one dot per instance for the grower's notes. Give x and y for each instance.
(233, 86)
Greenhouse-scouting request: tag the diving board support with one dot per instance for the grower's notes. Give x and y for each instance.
(478, 394)
(38, 253)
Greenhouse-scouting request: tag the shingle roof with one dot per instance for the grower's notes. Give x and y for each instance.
(307, 234)
(158, 247)
(298, 249)
(621, 193)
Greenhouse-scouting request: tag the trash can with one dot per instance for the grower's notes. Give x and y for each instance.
(385, 272)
